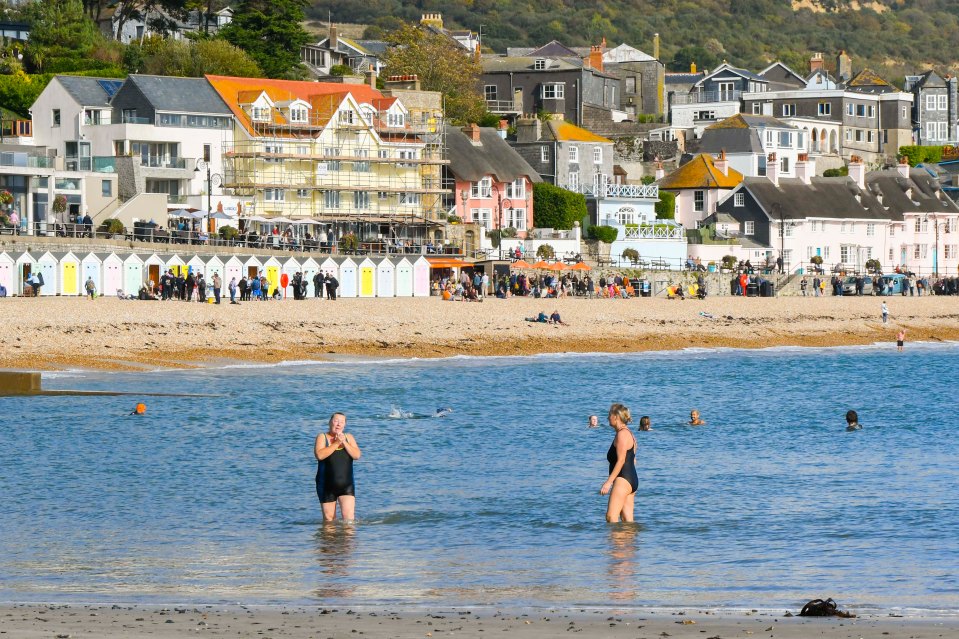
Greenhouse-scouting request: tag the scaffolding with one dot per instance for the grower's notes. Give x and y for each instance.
(370, 169)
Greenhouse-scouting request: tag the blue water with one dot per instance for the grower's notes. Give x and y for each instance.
(769, 505)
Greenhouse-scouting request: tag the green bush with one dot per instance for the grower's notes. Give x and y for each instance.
(508, 232)
(873, 264)
(603, 233)
(666, 206)
(816, 259)
(112, 226)
(555, 207)
(631, 254)
(840, 172)
(729, 261)
(340, 70)
(921, 154)
(228, 233)
(546, 252)
(453, 218)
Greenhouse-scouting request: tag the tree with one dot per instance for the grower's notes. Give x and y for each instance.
(689, 54)
(666, 206)
(58, 29)
(441, 65)
(189, 58)
(271, 33)
(556, 208)
(157, 12)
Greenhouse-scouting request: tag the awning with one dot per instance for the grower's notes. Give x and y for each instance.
(447, 262)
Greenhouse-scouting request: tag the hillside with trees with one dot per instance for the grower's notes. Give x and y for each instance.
(891, 36)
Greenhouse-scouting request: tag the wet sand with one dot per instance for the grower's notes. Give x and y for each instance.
(60, 333)
(29, 621)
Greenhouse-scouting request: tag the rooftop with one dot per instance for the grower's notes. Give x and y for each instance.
(701, 173)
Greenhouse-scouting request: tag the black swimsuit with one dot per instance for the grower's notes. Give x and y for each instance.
(628, 471)
(334, 475)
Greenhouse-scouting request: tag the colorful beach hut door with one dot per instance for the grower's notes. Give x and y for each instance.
(92, 270)
(69, 274)
(232, 270)
(273, 274)
(385, 279)
(47, 265)
(421, 277)
(404, 279)
(367, 278)
(7, 267)
(132, 276)
(112, 275)
(347, 279)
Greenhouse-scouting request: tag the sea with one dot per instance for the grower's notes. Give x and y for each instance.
(211, 500)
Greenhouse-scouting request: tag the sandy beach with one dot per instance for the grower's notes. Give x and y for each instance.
(60, 333)
(29, 621)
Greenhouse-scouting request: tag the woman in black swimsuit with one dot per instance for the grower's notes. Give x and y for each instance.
(335, 452)
(623, 481)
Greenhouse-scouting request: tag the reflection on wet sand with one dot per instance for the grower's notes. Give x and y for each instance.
(622, 561)
(335, 545)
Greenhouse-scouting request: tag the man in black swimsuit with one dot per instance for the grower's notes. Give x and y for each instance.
(335, 452)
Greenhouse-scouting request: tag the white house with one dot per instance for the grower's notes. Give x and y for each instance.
(748, 140)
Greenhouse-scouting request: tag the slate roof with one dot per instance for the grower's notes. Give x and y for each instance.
(86, 91)
(824, 198)
(554, 49)
(746, 121)
(492, 156)
(930, 78)
(518, 64)
(918, 194)
(184, 95)
(701, 173)
(867, 81)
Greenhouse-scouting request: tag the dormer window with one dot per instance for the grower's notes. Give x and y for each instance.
(298, 114)
(261, 114)
(346, 117)
(539, 64)
(395, 119)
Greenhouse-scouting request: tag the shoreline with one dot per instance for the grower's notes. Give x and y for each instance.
(57, 334)
(299, 622)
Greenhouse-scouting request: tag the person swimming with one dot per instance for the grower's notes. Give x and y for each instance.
(442, 412)
(398, 413)
(644, 423)
(852, 421)
(593, 421)
(694, 419)
(139, 409)
(335, 452)
(623, 482)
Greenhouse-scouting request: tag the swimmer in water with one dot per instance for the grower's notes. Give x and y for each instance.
(644, 423)
(694, 419)
(335, 452)
(852, 421)
(442, 412)
(593, 421)
(900, 339)
(140, 409)
(623, 481)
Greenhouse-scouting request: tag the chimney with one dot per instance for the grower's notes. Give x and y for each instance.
(596, 58)
(815, 62)
(857, 171)
(472, 131)
(432, 20)
(692, 67)
(334, 38)
(371, 77)
(501, 128)
(660, 172)
(805, 168)
(903, 167)
(772, 169)
(656, 46)
(403, 82)
(529, 129)
(843, 66)
(721, 164)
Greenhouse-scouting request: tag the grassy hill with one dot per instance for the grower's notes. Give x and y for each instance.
(892, 36)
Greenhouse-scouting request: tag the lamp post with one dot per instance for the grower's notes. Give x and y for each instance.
(210, 178)
(778, 210)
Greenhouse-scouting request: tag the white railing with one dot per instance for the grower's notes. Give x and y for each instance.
(654, 232)
(649, 191)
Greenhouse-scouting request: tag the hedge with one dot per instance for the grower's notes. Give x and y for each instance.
(603, 233)
(921, 154)
(555, 207)
(666, 206)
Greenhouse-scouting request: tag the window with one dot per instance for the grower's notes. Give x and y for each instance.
(892, 230)
(361, 199)
(749, 228)
(785, 140)
(574, 154)
(704, 115)
(860, 110)
(554, 91)
(757, 108)
(739, 199)
(699, 201)
(361, 166)
(407, 154)
(331, 199)
(383, 154)
(949, 251)
(630, 84)
(844, 254)
(761, 166)
(409, 199)
(918, 225)
(303, 193)
(943, 102)
(904, 113)
(395, 120)
(788, 230)
(872, 110)
(274, 195)
(539, 64)
(784, 165)
(930, 103)
(931, 131)
(789, 110)
(544, 153)
(858, 135)
(516, 218)
(106, 188)
(382, 195)
(298, 114)
(56, 117)
(825, 108)
(272, 148)
(870, 136)
(597, 155)
(943, 131)
(848, 135)
(890, 255)
(870, 230)
(483, 217)
(207, 152)
(346, 116)
(769, 139)
(483, 188)
(850, 109)
(260, 114)
(825, 252)
(574, 181)
(727, 91)
(516, 190)
(332, 151)
(489, 91)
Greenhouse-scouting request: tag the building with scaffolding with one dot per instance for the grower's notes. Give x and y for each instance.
(346, 158)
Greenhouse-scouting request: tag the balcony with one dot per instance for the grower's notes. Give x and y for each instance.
(162, 162)
(25, 160)
(132, 119)
(703, 97)
(104, 164)
(504, 106)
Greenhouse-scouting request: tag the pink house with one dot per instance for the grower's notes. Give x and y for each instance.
(493, 183)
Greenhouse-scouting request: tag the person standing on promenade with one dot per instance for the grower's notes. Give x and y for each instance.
(900, 339)
(885, 313)
(335, 452)
(623, 482)
(802, 286)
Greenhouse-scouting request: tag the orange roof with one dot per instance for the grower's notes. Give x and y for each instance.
(701, 173)
(324, 97)
(565, 131)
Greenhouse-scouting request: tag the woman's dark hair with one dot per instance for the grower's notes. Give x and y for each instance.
(644, 422)
(852, 417)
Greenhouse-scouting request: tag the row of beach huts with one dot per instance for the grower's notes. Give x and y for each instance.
(113, 273)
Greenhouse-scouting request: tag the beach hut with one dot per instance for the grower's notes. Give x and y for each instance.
(232, 269)
(175, 263)
(272, 268)
(215, 265)
(47, 265)
(309, 267)
(196, 265)
(421, 277)
(132, 274)
(404, 278)
(153, 267)
(68, 274)
(8, 270)
(24, 265)
(386, 278)
(347, 277)
(289, 268)
(252, 266)
(112, 270)
(91, 267)
(367, 277)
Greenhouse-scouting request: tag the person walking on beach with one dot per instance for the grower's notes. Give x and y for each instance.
(885, 313)
(900, 339)
(335, 452)
(217, 285)
(91, 288)
(623, 482)
(232, 288)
